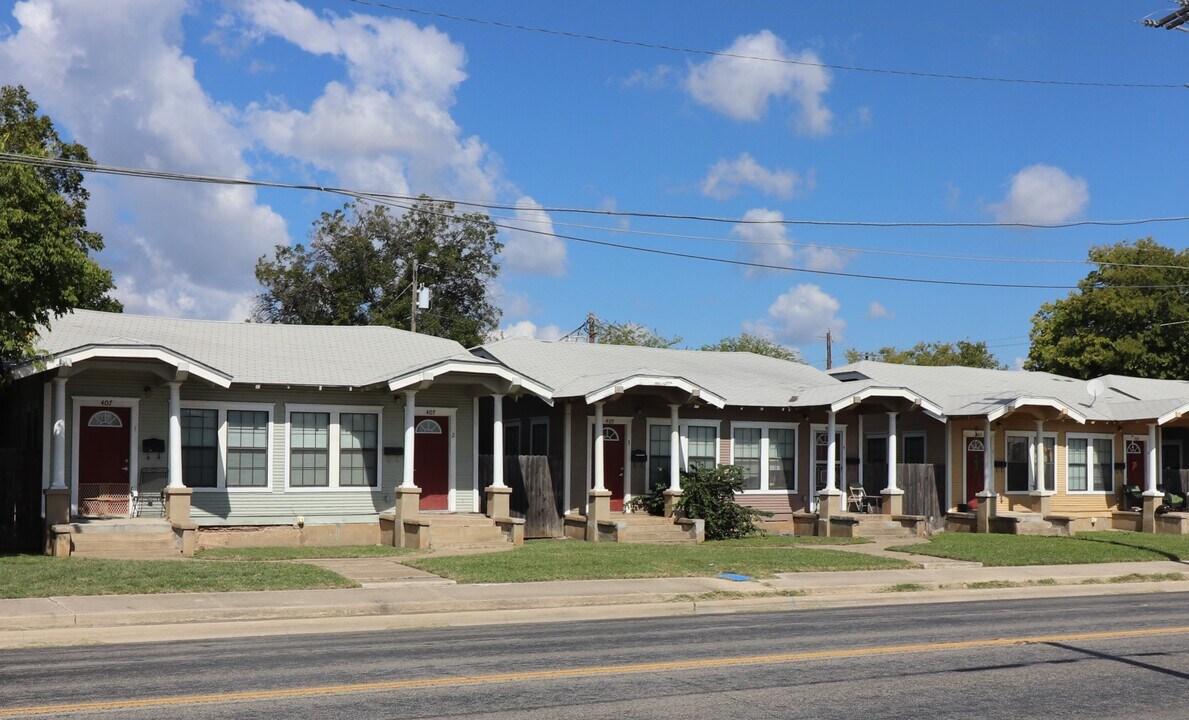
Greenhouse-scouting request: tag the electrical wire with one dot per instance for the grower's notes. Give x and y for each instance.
(56, 163)
(786, 61)
(396, 201)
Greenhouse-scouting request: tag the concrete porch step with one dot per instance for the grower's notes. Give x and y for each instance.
(465, 531)
(457, 519)
(120, 526)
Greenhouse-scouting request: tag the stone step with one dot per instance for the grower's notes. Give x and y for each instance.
(458, 520)
(640, 519)
(676, 535)
(447, 535)
(128, 554)
(123, 540)
(120, 527)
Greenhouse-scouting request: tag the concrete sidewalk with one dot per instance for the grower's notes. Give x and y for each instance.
(419, 600)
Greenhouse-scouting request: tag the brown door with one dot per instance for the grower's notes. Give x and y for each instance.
(104, 449)
(975, 480)
(613, 470)
(431, 461)
(1135, 462)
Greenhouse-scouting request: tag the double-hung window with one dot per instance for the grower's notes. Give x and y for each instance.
(767, 453)
(1089, 463)
(699, 446)
(226, 445)
(334, 447)
(1021, 461)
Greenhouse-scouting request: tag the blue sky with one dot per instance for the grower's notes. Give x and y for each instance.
(365, 97)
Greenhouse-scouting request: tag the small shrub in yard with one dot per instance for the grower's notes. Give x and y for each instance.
(709, 494)
(651, 502)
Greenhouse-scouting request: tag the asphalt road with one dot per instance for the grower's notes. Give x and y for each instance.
(1094, 657)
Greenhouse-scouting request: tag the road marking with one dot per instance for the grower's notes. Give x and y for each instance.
(314, 691)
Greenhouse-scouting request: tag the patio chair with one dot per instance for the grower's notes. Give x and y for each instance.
(857, 499)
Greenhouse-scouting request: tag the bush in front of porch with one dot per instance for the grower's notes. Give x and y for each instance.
(708, 493)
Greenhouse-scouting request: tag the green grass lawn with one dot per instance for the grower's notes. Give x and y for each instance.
(1090, 547)
(27, 576)
(785, 541)
(572, 560)
(301, 553)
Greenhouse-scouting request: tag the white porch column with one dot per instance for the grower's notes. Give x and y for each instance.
(410, 438)
(674, 451)
(567, 455)
(831, 454)
(175, 435)
(58, 478)
(1152, 469)
(1038, 481)
(598, 448)
(988, 460)
(892, 459)
(497, 441)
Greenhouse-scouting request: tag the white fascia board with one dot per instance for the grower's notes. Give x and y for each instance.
(1040, 401)
(654, 381)
(430, 374)
(126, 352)
(1174, 414)
(929, 407)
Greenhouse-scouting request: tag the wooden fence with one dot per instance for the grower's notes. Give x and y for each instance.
(537, 495)
(923, 486)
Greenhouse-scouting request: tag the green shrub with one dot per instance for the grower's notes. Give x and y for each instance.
(651, 502)
(709, 494)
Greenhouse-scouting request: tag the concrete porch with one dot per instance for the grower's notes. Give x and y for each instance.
(118, 538)
(635, 528)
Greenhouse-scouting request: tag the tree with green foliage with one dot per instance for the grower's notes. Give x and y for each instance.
(358, 270)
(605, 332)
(1129, 316)
(46, 263)
(708, 494)
(962, 352)
(746, 342)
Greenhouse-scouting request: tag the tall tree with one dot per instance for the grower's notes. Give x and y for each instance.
(46, 268)
(746, 342)
(358, 270)
(1129, 316)
(962, 352)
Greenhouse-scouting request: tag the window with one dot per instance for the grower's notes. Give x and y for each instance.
(914, 449)
(337, 447)
(701, 444)
(767, 452)
(357, 449)
(1050, 451)
(247, 448)
(658, 455)
(200, 448)
(539, 437)
(1019, 475)
(1090, 461)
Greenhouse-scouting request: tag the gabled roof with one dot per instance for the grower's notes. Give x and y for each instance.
(306, 355)
(582, 370)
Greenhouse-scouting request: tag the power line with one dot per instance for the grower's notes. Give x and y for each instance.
(786, 61)
(56, 163)
(396, 201)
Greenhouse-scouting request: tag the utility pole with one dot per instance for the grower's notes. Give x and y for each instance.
(1173, 21)
(413, 312)
(829, 350)
(591, 332)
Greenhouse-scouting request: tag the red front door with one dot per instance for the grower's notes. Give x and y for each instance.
(104, 449)
(975, 479)
(613, 470)
(431, 461)
(1135, 462)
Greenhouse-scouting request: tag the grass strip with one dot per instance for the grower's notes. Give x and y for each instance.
(1090, 547)
(541, 560)
(786, 541)
(31, 576)
(302, 553)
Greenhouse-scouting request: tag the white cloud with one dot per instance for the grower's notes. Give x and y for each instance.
(877, 311)
(530, 252)
(727, 177)
(388, 129)
(654, 78)
(741, 88)
(528, 329)
(114, 76)
(1043, 194)
(803, 314)
(767, 243)
(1018, 363)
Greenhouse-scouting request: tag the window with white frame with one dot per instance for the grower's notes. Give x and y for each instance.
(1021, 461)
(701, 443)
(698, 441)
(225, 445)
(1089, 463)
(821, 448)
(767, 452)
(334, 448)
(658, 456)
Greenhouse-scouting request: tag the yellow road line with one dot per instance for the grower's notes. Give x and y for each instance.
(299, 692)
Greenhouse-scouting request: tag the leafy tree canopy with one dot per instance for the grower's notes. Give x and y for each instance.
(358, 269)
(962, 352)
(746, 342)
(608, 333)
(46, 268)
(1116, 322)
